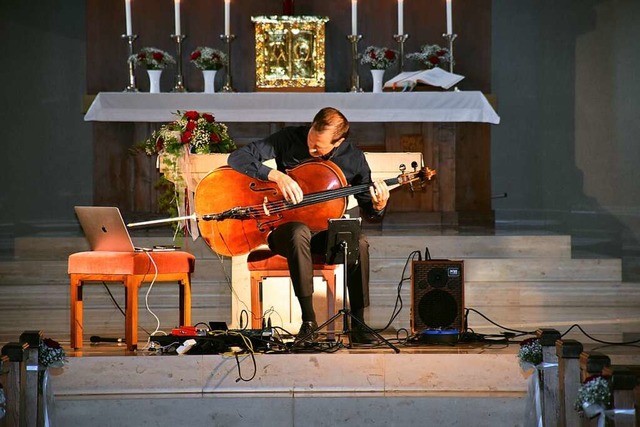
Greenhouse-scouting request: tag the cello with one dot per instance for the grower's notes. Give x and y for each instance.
(244, 210)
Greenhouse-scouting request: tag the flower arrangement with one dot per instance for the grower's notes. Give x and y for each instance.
(152, 58)
(431, 56)
(50, 353)
(379, 58)
(530, 351)
(206, 58)
(594, 391)
(192, 132)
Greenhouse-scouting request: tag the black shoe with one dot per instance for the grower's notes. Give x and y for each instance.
(359, 335)
(306, 331)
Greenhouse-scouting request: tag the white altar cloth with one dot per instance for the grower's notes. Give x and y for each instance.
(464, 106)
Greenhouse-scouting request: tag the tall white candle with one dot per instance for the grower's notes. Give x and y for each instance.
(449, 18)
(227, 16)
(354, 17)
(176, 6)
(400, 17)
(127, 12)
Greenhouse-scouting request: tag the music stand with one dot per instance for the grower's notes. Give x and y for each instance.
(343, 236)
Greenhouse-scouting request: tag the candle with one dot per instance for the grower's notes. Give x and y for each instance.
(400, 17)
(354, 17)
(227, 14)
(127, 11)
(449, 18)
(176, 6)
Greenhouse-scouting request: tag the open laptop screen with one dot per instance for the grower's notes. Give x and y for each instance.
(104, 228)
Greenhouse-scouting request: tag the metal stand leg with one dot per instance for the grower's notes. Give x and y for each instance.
(345, 313)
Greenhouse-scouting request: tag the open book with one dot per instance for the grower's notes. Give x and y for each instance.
(434, 77)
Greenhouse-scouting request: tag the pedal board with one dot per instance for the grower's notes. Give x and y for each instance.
(207, 342)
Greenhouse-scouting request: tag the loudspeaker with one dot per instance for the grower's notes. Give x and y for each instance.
(437, 295)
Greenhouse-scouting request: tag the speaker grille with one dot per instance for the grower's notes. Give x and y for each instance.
(437, 295)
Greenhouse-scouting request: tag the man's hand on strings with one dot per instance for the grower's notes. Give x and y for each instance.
(379, 194)
(288, 186)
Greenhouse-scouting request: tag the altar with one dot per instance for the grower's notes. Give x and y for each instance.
(450, 128)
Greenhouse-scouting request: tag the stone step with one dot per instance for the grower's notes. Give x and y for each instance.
(513, 270)
(382, 270)
(465, 247)
(293, 389)
(454, 247)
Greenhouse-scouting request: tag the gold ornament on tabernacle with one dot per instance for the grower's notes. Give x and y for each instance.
(290, 52)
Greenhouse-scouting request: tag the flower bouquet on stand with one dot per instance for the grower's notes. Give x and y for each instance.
(191, 133)
(378, 59)
(154, 61)
(208, 60)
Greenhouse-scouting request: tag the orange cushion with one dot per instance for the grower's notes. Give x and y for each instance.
(99, 262)
(264, 259)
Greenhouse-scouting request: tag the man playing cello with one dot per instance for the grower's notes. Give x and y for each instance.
(325, 139)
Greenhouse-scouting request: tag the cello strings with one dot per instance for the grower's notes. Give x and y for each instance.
(313, 198)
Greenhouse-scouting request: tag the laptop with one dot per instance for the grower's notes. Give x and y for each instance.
(104, 228)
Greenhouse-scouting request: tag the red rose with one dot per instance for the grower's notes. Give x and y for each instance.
(214, 138)
(191, 125)
(159, 144)
(441, 52)
(390, 55)
(158, 56)
(208, 117)
(195, 55)
(186, 137)
(434, 60)
(192, 115)
(141, 56)
(372, 55)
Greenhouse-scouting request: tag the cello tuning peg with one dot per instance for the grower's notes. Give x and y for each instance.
(402, 167)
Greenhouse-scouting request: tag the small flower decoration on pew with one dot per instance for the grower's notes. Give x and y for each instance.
(51, 354)
(530, 352)
(594, 396)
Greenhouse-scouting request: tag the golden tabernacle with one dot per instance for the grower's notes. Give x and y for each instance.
(290, 53)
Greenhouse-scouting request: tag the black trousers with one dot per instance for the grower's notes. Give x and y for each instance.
(295, 242)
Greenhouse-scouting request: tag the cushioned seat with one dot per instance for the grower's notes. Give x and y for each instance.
(131, 269)
(263, 263)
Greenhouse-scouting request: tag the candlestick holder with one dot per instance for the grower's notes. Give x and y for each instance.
(228, 38)
(179, 86)
(400, 39)
(450, 38)
(355, 78)
(132, 77)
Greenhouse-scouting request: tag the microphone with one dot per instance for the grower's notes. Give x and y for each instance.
(97, 339)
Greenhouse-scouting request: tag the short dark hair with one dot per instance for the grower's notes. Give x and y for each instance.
(330, 117)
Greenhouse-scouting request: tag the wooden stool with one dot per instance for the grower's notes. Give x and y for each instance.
(131, 269)
(263, 263)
